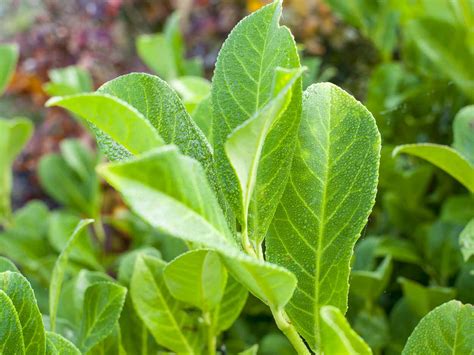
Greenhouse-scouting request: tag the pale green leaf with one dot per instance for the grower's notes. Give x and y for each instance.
(11, 336)
(192, 90)
(448, 329)
(68, 81)
(7, 265)
(370, 284)
(8, 58)
(202, 115)
(59, 270)
(157, 54)
(466, 240)
(339, 337)
(14, 134)
(443, 157)
(245, 144)
(242, 86)
(170, 191)
(122, 122)
(19, 290)
(164, 316)
(103, 303)
(58, 345)
(253, 350)
(463, 129)
(326, 204)
(422, 299)
(233, 301)
(197, 277)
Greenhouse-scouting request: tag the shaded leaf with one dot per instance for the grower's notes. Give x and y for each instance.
(466, 240)
(463, 129)
(8, 58)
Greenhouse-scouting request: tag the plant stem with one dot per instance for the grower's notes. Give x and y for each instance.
(99, 230)
(211, 337)
(282, 322)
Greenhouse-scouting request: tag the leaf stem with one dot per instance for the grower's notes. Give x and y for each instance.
(282, 322)
(211, 337)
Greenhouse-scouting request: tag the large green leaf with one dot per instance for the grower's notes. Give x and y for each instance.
(164, 316)
(119, 120)
(339, 337)
(170, 191)
(57, 345)
(463, 129)
(245, 144)
(466, 240)
(14, 134)
(21, 294)
(242, 86)
(445, 158)
(11, 336)
(8, 59)
(197, 277)
(326, 204)
(59, 270)
(103, 303)
(448, 329)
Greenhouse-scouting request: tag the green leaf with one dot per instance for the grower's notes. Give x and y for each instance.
(326, 204)
(7, 265)
(156, 53)
(372, 325)
(164, 316)
(339, 337)
(245, 144)
(197, 277)
(253, 350)
(103, 303)
(202, 115)
(78, 158)
(170, 191)
(14, 134)
(68, 81)
(443, 157)
(192, 90)
(242, 86)
(127, 262)
(122, 122)
(370, 284)
(21, 294)
(463, 129)
(58, 345)
(11, 336)
(233, 301)
(448, 329)
(422, 299)
(8, 58)
(59, 270)
(466, 240)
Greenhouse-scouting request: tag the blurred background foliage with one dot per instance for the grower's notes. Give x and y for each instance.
(410, 62)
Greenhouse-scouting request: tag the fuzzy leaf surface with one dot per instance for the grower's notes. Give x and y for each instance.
(11, 336)
(326, 204)
(241, 86)
(448, 329)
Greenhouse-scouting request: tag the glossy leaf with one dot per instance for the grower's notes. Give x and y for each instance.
(164, 316)
(58, 345)
(339, 337)
(11, 336)
(8, 58)
(197, 277)
(463, 129)
(21, 294)
(245, 144)
(122, 122)
(59, 270)
(242, 86)
(103, 303)
(448, 329)
(466, 240)
(326, 204)
(14, 134)
(170, 191)
(445, 158)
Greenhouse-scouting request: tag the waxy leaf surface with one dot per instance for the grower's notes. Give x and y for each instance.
(326, 204)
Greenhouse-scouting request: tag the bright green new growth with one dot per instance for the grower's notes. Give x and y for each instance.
(326, 204)
(8, 59)
(466, 240)
(448, 329)
(14, 134)
(68, 81)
